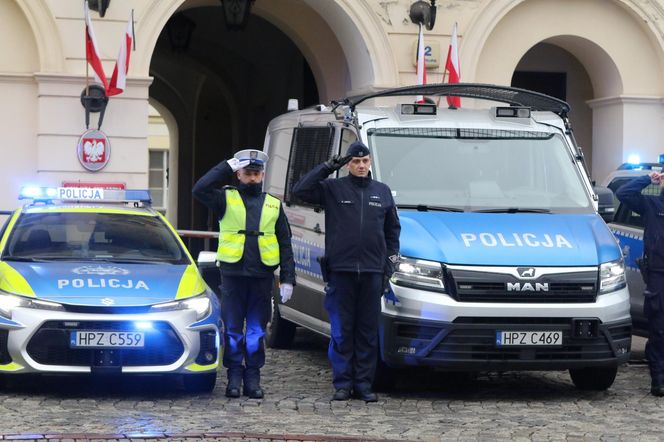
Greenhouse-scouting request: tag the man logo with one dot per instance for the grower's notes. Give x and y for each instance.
(527, 287)
(526, 272)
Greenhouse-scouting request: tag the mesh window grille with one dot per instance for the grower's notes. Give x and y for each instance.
(310, 147)
(436, 132)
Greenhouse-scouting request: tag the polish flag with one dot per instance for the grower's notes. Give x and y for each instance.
(91, 49)
(421, 66)
(452, 67)
(119, 77)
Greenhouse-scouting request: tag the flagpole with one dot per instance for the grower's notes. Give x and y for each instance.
(87, 65)
(133, 31)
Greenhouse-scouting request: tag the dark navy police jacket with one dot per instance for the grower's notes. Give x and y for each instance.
(651, 209)
(361, 222)
(206, 191)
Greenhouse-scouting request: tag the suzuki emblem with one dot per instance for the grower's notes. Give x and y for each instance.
(108, 301)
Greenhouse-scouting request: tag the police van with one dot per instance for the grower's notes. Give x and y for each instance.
(96, 282)
(506, 264)
(627, 226)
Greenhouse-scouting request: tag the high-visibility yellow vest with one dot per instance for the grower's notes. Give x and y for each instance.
(232, 231)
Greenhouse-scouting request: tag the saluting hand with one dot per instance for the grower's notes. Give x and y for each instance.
(655, 177)
(238, 164)
(337, 162)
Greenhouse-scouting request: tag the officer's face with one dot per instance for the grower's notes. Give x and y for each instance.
(249, 176)
(359, 166)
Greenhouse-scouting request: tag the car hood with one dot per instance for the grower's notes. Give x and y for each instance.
(509, 239)
(101, 284)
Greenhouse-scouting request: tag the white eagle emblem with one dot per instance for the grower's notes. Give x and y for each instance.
(94, 150)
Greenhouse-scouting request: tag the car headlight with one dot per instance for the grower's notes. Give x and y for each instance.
(9, 302)
(419, 273)
(612, 276)
(201, 304)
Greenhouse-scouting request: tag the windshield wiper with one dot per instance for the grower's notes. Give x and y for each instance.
(21, 259)
(513, 210)
(426, 208)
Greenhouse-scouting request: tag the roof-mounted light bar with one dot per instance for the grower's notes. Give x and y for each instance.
(92, 194)
(513, 112)
(418, 109)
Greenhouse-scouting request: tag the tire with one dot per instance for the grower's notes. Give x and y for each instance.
(593, 378)
(200, 383)
(280, 332)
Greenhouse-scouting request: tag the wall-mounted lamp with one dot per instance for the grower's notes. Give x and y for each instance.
(236, 13)
(99, 5)
(423, 13)
(179, 29)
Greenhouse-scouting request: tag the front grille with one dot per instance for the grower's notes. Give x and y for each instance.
(550, 285)
(113, 310)
(50, 344)
(497, 292)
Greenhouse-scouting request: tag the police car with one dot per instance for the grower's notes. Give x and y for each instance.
(506, 263)
(96, 281)
(627, 226)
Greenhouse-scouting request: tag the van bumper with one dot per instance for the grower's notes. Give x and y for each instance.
(465, 335)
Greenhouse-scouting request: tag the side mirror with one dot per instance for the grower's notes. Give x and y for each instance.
(606, 203)
(207, 258)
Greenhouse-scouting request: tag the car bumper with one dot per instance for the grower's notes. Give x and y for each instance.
(38, 341)
(425, 328)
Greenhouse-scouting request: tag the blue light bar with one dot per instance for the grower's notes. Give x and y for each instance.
(92, 194)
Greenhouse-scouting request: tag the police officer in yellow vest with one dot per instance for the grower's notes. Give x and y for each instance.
(254, 239)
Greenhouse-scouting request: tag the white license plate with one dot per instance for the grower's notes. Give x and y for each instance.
(99, 339)
(528, 338)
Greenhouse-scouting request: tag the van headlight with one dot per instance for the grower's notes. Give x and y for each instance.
(419, 273)
(201, 304)
(9, 302)
(612, 276)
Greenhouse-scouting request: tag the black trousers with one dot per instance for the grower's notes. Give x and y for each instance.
(653, 309)
(245, 299)
(353, 303)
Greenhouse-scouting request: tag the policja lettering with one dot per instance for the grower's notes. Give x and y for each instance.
(91, 283)
(516, 240)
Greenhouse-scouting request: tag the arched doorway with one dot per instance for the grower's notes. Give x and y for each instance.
(625, 71)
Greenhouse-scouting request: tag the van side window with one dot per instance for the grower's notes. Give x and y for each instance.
(310, 147)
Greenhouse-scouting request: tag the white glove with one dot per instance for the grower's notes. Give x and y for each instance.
(286, 291)
(237, 164)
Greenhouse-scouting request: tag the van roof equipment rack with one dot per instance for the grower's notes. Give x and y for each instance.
(504, 94)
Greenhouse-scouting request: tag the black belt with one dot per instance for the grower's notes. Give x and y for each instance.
(251, 232)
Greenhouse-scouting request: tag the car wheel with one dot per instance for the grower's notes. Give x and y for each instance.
(593, 378)
(280, 331)
(200, 383)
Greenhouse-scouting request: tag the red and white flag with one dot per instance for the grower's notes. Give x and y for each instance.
(119, 77)
(91, 49)
(421, 65)
(452, 67)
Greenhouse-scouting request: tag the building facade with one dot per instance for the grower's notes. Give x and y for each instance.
(197, 92)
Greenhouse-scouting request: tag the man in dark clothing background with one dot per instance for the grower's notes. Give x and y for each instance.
(254, 239)
(361, 248)
(651, 209)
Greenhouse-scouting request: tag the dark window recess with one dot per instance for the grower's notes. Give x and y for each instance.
(625, 215)
(310, 147)
(4, 352)
(553, 84)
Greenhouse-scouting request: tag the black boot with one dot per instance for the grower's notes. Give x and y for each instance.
(252, 383)
(234, 382)
(657, 385)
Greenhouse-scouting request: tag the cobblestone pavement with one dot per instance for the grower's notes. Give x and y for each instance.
(430, 406)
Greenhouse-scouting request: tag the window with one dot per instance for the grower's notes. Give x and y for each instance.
(310, 146)
(158, 179)
(626, 216)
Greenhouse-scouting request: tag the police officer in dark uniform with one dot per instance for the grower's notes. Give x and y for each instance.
(361, 249)
(254, 239)
(651, 209)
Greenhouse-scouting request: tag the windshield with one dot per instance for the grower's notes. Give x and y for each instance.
(476, 169)
(93, 236)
